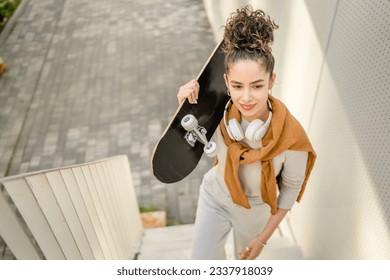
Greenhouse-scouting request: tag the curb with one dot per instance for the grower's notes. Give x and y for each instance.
(12, 22)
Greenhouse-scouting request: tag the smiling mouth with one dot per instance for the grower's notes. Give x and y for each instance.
(247, 107)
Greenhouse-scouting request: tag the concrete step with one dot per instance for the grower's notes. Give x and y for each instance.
(174, 243)
(167, 243)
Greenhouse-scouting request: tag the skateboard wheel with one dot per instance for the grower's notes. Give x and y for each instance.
(210, 149)
(189, 122)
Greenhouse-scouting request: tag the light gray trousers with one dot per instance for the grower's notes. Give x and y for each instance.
(216, 215)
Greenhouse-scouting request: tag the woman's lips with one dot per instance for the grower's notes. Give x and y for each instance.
(247, 107)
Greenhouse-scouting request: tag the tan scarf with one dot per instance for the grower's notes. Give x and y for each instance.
(284, 133)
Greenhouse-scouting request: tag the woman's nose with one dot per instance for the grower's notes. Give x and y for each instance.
(247, 95)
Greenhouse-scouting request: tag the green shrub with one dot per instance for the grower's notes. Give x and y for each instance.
(7, 8)
(150, 208)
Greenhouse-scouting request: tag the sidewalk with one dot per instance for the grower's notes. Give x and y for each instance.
(92, 79)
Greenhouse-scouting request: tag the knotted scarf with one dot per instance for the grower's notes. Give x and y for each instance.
(284, 133)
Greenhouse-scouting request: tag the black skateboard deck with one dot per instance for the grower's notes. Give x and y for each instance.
(174, 158)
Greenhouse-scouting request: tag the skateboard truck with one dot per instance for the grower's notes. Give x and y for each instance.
(197, 133)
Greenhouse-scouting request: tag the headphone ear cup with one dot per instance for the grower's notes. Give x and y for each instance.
(255, 130)
(234, 130)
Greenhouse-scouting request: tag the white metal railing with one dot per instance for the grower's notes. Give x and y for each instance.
(86, 211)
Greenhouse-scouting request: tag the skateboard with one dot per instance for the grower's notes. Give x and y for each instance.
(188, 134)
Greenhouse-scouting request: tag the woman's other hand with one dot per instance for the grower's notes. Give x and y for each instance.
(252, 251)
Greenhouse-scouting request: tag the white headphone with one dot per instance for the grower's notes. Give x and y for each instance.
(255, 131)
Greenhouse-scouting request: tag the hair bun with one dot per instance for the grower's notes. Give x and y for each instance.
(252, 31)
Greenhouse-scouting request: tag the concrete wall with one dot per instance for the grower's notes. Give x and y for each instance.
(332, 65)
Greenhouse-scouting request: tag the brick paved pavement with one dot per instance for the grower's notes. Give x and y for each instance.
(92, 79)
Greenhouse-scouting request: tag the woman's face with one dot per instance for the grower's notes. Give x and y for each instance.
(248, 83)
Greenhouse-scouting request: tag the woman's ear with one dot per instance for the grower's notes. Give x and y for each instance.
(226, 80)
(272, 80)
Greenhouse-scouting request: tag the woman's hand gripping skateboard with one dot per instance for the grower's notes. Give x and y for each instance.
(189, 91)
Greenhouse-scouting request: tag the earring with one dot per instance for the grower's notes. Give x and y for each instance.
(228, 92)
(270, 91)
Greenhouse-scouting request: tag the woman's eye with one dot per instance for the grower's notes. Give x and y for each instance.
(258, 86)
(236, 86)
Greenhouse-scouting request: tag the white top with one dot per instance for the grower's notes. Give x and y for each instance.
(293, 173)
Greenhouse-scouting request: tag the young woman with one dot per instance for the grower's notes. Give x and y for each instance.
(264, 156)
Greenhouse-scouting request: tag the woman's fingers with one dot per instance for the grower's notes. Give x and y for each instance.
(193, 90)
(244, 254)
(193, 96)
(196, 88)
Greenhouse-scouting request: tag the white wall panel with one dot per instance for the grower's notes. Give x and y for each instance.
(348, 204)
(85, 211)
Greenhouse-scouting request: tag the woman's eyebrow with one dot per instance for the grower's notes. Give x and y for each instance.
(254, 82)
(257, 81)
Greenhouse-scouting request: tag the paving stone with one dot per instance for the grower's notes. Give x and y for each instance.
(93, 79)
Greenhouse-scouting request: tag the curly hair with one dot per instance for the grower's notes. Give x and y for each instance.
(249, 34)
